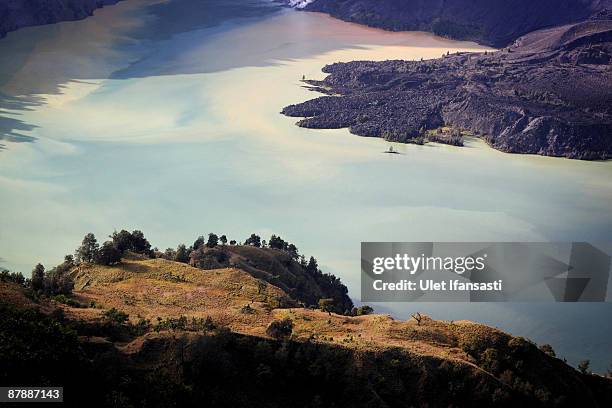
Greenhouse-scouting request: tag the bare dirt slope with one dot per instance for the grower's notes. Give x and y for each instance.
(155, 288)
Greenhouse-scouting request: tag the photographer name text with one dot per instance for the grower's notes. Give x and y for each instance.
(429, 285)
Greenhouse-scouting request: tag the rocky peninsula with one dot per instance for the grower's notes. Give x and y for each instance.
(549, 93)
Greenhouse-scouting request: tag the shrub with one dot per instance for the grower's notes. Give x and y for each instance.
(122, 240)
(140, 244)
(247, 309)
(362, 311)
(181, 254)
(208, 258)
(490, 360)
(67, 301)
(473, 344)
(55, 282)
(547, 348)
(198, 242)
(253, 240)
(213, 240)
(116, 316)
(66, 265)
(327, 305)
(277, 242)
(134, 241)
(58, 283)
(583, 367)
(88, 250)
(280, 329)
(169, 254)
(108, 254)
(182, 323)
(14, 277)
(38, 277)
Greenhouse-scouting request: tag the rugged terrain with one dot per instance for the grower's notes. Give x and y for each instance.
(15, 14)
(492, 22)
(282, 270)
(550, 93)
(153, 332)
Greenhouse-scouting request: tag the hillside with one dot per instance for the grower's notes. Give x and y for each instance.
(15, 14)
(492, 22)
(550, 93)
(302, 281)
(153, 332)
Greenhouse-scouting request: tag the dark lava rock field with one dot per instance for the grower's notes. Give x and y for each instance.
(550, 93)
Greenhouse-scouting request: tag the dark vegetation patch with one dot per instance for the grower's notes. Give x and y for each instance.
(194, 363)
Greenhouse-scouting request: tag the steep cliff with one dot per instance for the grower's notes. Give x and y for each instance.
(492, 22)
(15, 14)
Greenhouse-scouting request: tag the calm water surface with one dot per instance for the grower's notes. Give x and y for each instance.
(164, 117)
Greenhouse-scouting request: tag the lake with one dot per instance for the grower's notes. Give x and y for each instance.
(165, 117)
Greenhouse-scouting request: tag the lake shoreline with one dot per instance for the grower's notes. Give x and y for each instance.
(519, 100)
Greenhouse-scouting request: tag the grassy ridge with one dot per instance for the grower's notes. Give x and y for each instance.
(159, 333)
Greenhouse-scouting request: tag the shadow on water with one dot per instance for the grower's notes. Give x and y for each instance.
(10, 127)
(179, 31)
(181, 16)
(176, 26)
(148, 38)
(139, 43)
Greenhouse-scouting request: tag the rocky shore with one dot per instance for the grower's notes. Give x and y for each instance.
(15, 14)
(550, 93)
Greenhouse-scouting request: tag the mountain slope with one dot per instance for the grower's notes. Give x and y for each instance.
(15, 14)
(197, 337)
(493, 22)
(302, 281)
